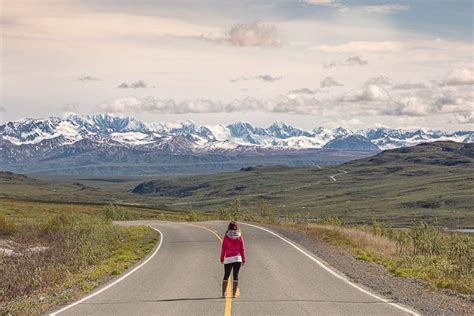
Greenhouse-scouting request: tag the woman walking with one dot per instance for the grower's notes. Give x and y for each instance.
(232, 256)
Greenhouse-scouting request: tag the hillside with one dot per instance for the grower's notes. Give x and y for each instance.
(17, 187)
(429, 181)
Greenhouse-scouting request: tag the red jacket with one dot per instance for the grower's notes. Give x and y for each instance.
(233, 246)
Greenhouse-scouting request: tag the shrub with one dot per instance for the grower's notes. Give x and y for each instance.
(461, 251)
(73, 242)
(331, 220)
(194, 216)
(6, 227)
(426, 239)
(266, 213)
(376, 228)
(117, 213)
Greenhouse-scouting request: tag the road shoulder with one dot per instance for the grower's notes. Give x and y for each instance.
(413, 293)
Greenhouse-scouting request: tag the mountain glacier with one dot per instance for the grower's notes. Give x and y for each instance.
(127, 131)
(111, 145)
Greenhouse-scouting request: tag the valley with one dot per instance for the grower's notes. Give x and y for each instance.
(431, 182)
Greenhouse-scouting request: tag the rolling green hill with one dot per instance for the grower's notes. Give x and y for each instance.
(433, 181)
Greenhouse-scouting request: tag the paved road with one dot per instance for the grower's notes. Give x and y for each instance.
(184, 278)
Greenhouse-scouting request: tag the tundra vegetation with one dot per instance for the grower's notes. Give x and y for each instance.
(61, 256)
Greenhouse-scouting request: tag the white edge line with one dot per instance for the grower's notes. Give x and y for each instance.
(334, 273)
(116, 281)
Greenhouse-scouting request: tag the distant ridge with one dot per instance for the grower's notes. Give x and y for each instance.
(107, 144)
(131, 132)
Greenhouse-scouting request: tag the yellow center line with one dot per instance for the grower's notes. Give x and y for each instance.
(210, 230)
(228, 296)
(228, 300)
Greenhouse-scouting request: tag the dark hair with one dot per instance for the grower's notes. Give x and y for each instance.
(233, 226)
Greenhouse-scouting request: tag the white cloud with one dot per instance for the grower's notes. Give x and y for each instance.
(88, 78)
(362, 46)
(448, 97)
(329, 82)
(377, 9)
(409, 106)
(367, 93)
(351, 122)
(459, 77)
(252, 34)
(328, 3)
(280, 104)
(463, 118)
(356, 60)
(133, 85)
(70, 107)
(321, 2)
(372, 98)
(369, 100)
(303, 91)
(153, 105)
(409, 86)
(295, 105)
(384, 8)
(381, 81)
(351, 61)
(266, 78)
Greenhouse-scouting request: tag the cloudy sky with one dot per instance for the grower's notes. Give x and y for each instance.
(307, 62)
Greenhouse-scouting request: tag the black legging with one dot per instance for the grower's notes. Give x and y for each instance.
(235, 266)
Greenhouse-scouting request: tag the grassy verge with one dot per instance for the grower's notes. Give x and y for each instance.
(445, 260)
(31, 212)
(79, 252)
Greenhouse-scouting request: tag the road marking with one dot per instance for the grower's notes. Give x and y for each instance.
(336, 274)
(228, 299)
(210, 230)
(116, 281)
(228, 296)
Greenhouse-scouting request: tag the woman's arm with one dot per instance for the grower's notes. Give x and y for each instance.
(242, 249)
(223, 249)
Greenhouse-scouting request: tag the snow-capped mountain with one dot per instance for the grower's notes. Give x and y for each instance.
(41, 138)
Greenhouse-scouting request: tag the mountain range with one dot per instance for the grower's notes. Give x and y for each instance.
(94, 140)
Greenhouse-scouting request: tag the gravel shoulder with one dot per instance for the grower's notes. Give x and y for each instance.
(410, 292)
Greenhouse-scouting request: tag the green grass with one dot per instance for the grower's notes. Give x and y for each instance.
(444, 260)
(430, 183)
(83, 251)
(433, 183)
(25, 211)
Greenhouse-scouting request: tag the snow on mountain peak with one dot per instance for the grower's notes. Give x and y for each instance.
(131, 132)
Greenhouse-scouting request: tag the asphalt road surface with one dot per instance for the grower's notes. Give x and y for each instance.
(183, 277)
